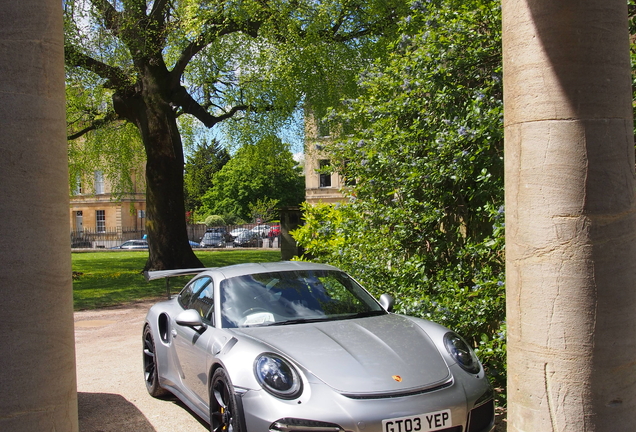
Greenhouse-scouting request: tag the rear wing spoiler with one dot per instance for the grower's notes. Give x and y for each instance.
(167, 274)
(161, 274)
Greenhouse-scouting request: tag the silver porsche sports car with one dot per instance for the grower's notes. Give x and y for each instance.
(296, 346)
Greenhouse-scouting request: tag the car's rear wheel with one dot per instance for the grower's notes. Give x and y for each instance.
(224, 411)
(150, 365)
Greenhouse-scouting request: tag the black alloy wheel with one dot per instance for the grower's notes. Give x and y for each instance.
(224, 413)
(150, 365)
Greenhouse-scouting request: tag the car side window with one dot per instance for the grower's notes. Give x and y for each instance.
(203, 302)
(192, 290)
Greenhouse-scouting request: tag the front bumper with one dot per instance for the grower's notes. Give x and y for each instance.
(323, 410)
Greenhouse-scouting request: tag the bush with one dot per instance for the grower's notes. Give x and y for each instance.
(466, 294)
(214, 221)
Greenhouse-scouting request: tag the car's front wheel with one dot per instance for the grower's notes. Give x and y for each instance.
(150, 365)
(224, 411)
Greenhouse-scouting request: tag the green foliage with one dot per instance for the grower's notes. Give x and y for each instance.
(200, 167)
(264, 171)
(116, 151)
(246, 66)
(214, 221)
(264, 208)
(424, 220)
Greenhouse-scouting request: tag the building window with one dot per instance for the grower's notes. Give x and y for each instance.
(100, 220)
(323, 128)
(99, 183)
(325, 173)
(78, 186)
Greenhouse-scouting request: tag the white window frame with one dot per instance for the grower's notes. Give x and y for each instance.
(99, 183)
(100, 221)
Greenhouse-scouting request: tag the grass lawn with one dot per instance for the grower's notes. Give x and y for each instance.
(114, 277)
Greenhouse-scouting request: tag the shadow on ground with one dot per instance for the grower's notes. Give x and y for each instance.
(94, 408)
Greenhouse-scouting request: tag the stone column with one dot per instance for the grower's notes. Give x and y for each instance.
(570, 219)
(37, 360)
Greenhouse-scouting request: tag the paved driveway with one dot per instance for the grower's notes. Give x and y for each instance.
(112, 395)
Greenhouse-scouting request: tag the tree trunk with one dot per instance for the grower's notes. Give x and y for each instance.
(37, 364)
(165, 207)
(570, 216)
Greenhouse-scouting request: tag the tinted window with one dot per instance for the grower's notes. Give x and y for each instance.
(280, 297)
(192, 290)
(203, 302)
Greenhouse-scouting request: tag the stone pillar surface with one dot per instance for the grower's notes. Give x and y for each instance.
(570, 216)
(37, 361)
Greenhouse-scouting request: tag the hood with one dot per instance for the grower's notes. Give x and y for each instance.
(361, 356)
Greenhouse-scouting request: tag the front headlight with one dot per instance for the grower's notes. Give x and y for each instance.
(461, 352)
(277, 376)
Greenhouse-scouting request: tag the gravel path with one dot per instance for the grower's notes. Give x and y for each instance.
(112, 395)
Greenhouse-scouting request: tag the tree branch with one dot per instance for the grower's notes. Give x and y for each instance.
(116, 77)
(112, 18)
(215, 31)
(158, 10)
(110, 117)
(183, 99)
(372, 28)
(197, 45)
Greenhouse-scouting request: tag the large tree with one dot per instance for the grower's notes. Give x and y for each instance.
(265, 170)
(146, 63)
(200, 167)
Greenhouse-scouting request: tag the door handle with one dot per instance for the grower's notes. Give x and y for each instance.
(173, 332)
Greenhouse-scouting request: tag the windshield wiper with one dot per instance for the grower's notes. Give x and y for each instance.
(300, 321)
(366, 314)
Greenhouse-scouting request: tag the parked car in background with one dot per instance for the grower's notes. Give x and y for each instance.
(236, 231)
(274, 231)
(297, 346)
(261, 230)
(81, 243)
(133, 244)
(193, 244)
(212, 239)
(248, 239)
(220, 230)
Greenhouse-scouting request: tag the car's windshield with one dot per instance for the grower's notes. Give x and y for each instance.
(293, 297)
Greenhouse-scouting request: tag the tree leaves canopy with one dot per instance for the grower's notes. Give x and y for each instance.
(200, 168)
(258, 172)
(224, 59)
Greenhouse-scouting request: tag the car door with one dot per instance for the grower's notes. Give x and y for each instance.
(191, 344)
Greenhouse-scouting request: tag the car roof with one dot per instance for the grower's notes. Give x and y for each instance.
(252, 268)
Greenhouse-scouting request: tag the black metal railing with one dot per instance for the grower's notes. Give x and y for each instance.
(265, 235)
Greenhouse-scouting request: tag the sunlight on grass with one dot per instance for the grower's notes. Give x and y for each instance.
(115, 277)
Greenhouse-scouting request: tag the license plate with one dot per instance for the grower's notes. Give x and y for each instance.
(432, 421)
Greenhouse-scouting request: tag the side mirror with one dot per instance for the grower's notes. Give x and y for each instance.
(387, 302)
(190, 318)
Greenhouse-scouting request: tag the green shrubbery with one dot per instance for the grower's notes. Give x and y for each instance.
(424, 219)
(214, 221)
